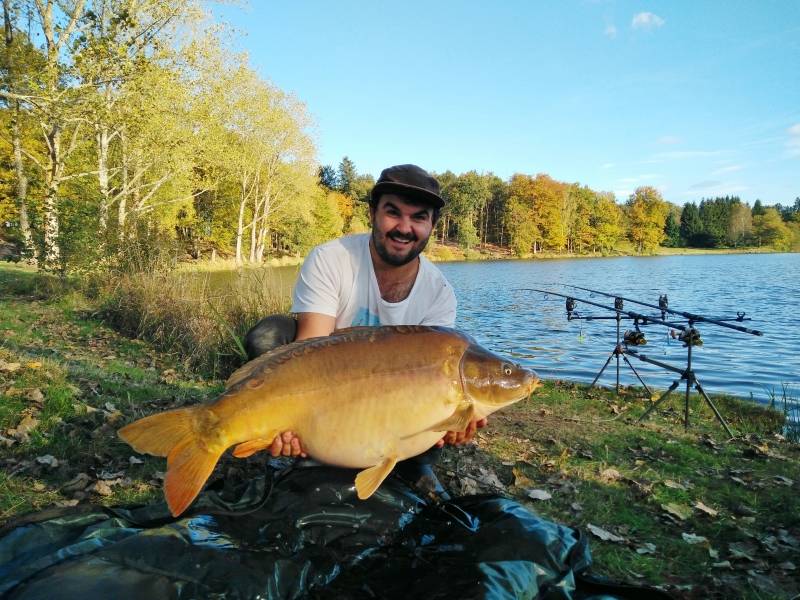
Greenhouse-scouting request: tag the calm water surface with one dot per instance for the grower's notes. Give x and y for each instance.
(533, 328)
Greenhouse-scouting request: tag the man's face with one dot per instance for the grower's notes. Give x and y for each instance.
(400, 229)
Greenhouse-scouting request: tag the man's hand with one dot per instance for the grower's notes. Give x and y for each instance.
(287, 444)
(456, 438)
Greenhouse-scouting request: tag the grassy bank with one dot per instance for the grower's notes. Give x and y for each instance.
(706, 516)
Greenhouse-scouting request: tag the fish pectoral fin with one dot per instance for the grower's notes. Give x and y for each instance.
(250, 447)
(458, 421)
(369, 480)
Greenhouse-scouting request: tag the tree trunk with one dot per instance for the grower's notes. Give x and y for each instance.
(102, 176)
(21, 189)
(240, 226)
(52, 251)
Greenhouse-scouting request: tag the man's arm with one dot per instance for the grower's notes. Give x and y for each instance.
(311, 324)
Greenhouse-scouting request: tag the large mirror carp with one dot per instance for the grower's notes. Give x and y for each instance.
(364, 398)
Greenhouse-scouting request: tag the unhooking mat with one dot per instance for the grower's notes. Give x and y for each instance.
(300, 533)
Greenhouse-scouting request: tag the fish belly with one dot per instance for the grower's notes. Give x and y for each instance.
(362, 430)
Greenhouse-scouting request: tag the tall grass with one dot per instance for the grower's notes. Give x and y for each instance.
(185, 315)
(786, 401)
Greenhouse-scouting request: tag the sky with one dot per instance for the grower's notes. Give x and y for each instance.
(696, 98)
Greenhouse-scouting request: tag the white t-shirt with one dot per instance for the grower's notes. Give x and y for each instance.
(338, 279)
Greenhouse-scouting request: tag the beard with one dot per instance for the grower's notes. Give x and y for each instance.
(398, 259)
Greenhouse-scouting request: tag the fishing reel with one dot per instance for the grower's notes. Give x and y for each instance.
(689, 337)
(663, 305)
(570, 306)
(634, 338)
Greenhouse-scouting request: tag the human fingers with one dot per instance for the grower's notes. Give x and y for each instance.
(296, 450)
(276, 447)
(482, 422)
(287, 437)
(440, 443)
(450, 437)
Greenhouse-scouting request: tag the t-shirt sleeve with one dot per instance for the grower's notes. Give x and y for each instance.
(442, 312)
(317, 286)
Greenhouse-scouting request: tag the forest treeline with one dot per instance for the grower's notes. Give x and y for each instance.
(131, 128)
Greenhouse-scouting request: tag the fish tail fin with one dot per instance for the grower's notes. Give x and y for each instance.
(182, 436)
(159, 434)
(189, 465)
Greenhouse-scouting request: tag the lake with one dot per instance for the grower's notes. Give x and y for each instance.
(533, 328)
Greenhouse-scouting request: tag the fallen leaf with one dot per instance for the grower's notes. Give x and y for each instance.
(7, 442)
(725, 564)
(135, 461)
(706, 509)
(38, 486)
(742, 550)
(34, 364)
(28, 424)
(787, 566)
(691, 538)
(781, 480)
(604, 535)
(674, 485)
(6, 367)
(79, 482)
(577, 507)
(101, 488)
(610, 475)
(35, 396)
(713, 553)
(681, 511)
(48, 459)
(785, 538)
(489, 478)
(110, 407)
(646, 548)
(110, 474)
(67, 503)
(738, 480)
(539, 495)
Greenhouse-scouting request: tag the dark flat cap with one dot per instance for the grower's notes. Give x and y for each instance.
(410, 181)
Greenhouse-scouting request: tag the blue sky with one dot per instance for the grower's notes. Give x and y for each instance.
(695, 98)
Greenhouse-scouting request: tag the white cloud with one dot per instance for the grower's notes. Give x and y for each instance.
(669, 140)
(647, 20)
(610, 31)
(793, 144)
(728, 169)
(683, 154)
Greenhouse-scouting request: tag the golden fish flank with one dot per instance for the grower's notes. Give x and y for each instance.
(363, 398)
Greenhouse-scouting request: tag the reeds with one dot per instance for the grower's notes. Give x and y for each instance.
(185, 314)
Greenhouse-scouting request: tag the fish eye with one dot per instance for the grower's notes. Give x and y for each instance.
(507, 369)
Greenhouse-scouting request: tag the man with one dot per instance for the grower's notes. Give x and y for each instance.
(372, 279)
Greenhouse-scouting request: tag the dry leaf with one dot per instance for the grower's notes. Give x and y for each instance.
(604, 535)
(743, 550)
(674, 485)
(539, 495)
(135, 461)
(646, 548)
(20, 433)
(691, 538)
(576, 507)
(48, 459)
(34, 364)
(102, 488)
(610, 475)
(35, 396)
(781, 480)
(6, 367)
(787, 566)
(681, 511)
(79, 482)
(725, 564)
(706, 509)
(713, 553)
(67, 503)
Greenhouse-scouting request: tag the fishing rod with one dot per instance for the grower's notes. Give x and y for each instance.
(637, 317)
(662, 306)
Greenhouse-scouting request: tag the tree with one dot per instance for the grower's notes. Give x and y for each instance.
(328, 177)
(647, 214)
(465, 199)
(607, 222)
(758, 208)
(740, 225)
(672, 228)
(346, 176)
(691, 225)
(769, 229)
(520, 218)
